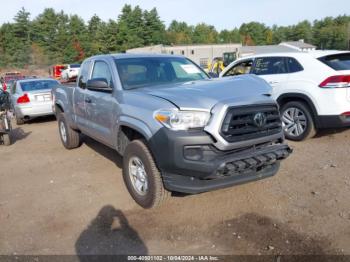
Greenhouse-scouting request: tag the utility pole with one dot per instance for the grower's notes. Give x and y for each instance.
(348, 36)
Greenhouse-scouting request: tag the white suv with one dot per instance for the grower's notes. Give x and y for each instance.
(70, 72)
(312, 89)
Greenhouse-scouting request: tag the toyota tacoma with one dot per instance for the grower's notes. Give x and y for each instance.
(177, 129)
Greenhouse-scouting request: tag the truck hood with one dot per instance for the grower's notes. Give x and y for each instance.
(207, 93)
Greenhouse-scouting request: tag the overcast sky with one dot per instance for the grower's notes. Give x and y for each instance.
(224, 14)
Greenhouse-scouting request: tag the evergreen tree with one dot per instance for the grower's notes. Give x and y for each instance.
(58, 38)
(179, 33)
(227, 36)
(154, 29)
(131, 29)
(95, 28)
(205, 34)
(254, 32)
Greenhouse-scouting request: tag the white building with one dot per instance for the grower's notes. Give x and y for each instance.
(200, 54)
(299, 45)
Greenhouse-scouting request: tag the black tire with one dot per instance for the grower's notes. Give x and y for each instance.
(156, 193)
(309, 130)
(6, 139)
(72, 138)
(19, 121)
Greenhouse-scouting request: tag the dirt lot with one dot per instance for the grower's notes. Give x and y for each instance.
(54, 201)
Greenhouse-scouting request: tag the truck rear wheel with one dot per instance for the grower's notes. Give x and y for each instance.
(6, 139)
(19, 121)
(142, 177)
(69, 137)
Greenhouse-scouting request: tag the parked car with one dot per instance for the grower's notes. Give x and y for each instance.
(9, 77)
(70, 72)
(176, 129)
(312, 89)
(32, 98)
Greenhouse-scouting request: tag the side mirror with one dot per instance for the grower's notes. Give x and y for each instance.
(98, 84)
(213, 75)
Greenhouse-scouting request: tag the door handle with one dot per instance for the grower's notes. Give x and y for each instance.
(273, 82)
(88, 100)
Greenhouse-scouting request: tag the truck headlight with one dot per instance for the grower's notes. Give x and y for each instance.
(182, 120)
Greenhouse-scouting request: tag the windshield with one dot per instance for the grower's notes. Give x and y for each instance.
(38, 85)
(338, 62)
(74, 66)
(153, 71)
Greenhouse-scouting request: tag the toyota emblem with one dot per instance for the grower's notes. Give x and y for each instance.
(260, 120)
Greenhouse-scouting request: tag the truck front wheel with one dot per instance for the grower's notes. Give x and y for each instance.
(70, 138)
(142, 177)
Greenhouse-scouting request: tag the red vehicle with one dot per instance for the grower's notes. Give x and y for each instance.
(56, 71)
(9, 78)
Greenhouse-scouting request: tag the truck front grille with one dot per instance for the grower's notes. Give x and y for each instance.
(251, 122)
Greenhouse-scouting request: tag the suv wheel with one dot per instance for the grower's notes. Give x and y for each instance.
(142, 177)
(70, 138)
(297, 121)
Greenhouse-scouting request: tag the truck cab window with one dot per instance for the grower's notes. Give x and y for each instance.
(101, 70)
(13, 88)
(84, 74)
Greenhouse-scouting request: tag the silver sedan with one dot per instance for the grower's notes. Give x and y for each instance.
(32, 98)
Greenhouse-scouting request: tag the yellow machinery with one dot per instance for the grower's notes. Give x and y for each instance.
(219, 63)
(216, 66)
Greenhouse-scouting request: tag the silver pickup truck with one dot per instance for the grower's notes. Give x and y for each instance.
(177, 129)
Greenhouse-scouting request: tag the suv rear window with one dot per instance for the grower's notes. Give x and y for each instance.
(338, 62)
(293, 65)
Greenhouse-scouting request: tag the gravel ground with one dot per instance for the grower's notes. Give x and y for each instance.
(54, 201)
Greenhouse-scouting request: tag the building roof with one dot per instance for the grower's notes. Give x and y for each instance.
(266, 49)
(298, 44)
(163, 47)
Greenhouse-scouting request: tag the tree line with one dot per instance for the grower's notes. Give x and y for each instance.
(55, 37)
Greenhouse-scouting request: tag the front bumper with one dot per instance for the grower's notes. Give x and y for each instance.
(190, 164)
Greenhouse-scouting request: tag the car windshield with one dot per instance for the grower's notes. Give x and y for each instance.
(338, 62)
(154, 71)
(38, 85)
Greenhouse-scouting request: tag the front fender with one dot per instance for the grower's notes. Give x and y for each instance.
(137, 125)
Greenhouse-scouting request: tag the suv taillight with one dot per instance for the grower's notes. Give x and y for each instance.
(339, 81)
(23, 99)
(4, 86)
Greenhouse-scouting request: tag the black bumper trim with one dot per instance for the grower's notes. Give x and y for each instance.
(332, 121)
(190, 185)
